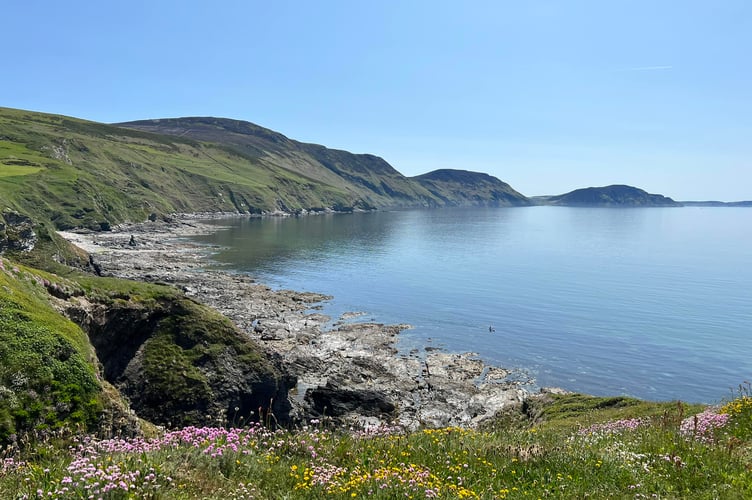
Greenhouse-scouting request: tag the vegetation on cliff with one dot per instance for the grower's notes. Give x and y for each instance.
(72, 347)
(47, 375)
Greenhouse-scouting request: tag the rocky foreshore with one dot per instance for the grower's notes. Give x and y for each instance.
(351, 372)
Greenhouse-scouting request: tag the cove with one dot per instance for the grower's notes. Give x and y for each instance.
(653, 303)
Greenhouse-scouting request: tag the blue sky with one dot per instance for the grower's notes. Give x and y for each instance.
(548, 96)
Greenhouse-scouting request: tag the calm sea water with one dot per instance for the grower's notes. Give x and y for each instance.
(654, 303)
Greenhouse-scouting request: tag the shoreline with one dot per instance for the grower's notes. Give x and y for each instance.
(351, 371)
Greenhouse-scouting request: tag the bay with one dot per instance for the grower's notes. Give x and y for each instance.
(654, 303)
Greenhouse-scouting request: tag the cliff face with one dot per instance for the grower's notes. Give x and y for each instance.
(83, 351)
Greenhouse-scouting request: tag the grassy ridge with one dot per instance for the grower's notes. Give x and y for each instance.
(80, 173)
(364, 177)
(77, 173)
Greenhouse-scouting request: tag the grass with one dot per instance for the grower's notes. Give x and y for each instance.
(15, 170)
(76, 173)
(660, 456)
(16, 160)
(47, 379)
(51, 377)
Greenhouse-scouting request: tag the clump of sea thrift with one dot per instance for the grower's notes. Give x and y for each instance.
(703, 426)
(613, 427)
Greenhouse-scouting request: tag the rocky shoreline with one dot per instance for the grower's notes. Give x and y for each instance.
(350, 371)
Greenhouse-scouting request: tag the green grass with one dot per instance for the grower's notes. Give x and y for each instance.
(47, 378)
(49, 375)
(84, 174)
(17, 160)
(11, 170)
(655, 458)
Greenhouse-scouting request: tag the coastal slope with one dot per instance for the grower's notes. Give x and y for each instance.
(82, 174)
(365, 176)
(464, 188)
(617, 195)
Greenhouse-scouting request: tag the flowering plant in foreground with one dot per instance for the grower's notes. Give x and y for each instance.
(703, 426)
(635, 458)
(613, 427)
(737, 406)
(105, 467)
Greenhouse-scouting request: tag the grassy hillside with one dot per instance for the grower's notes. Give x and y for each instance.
(48, 376)
(362, 176)
(463, 188)
(608, 196)
(78, 173)
(72, 347)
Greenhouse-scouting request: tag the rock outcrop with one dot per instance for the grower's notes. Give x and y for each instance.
(16, 232)
(180, 363)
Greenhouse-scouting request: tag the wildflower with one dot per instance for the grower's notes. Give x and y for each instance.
(613, 427)
(702, 426)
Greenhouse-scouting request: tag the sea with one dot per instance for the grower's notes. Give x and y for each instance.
(654, 303)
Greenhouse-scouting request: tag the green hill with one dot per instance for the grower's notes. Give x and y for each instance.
(77, 173)
(609, 196)
(463, 188)
(362, 176)
(84, 174)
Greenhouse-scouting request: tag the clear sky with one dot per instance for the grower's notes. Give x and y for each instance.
(548, 96)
